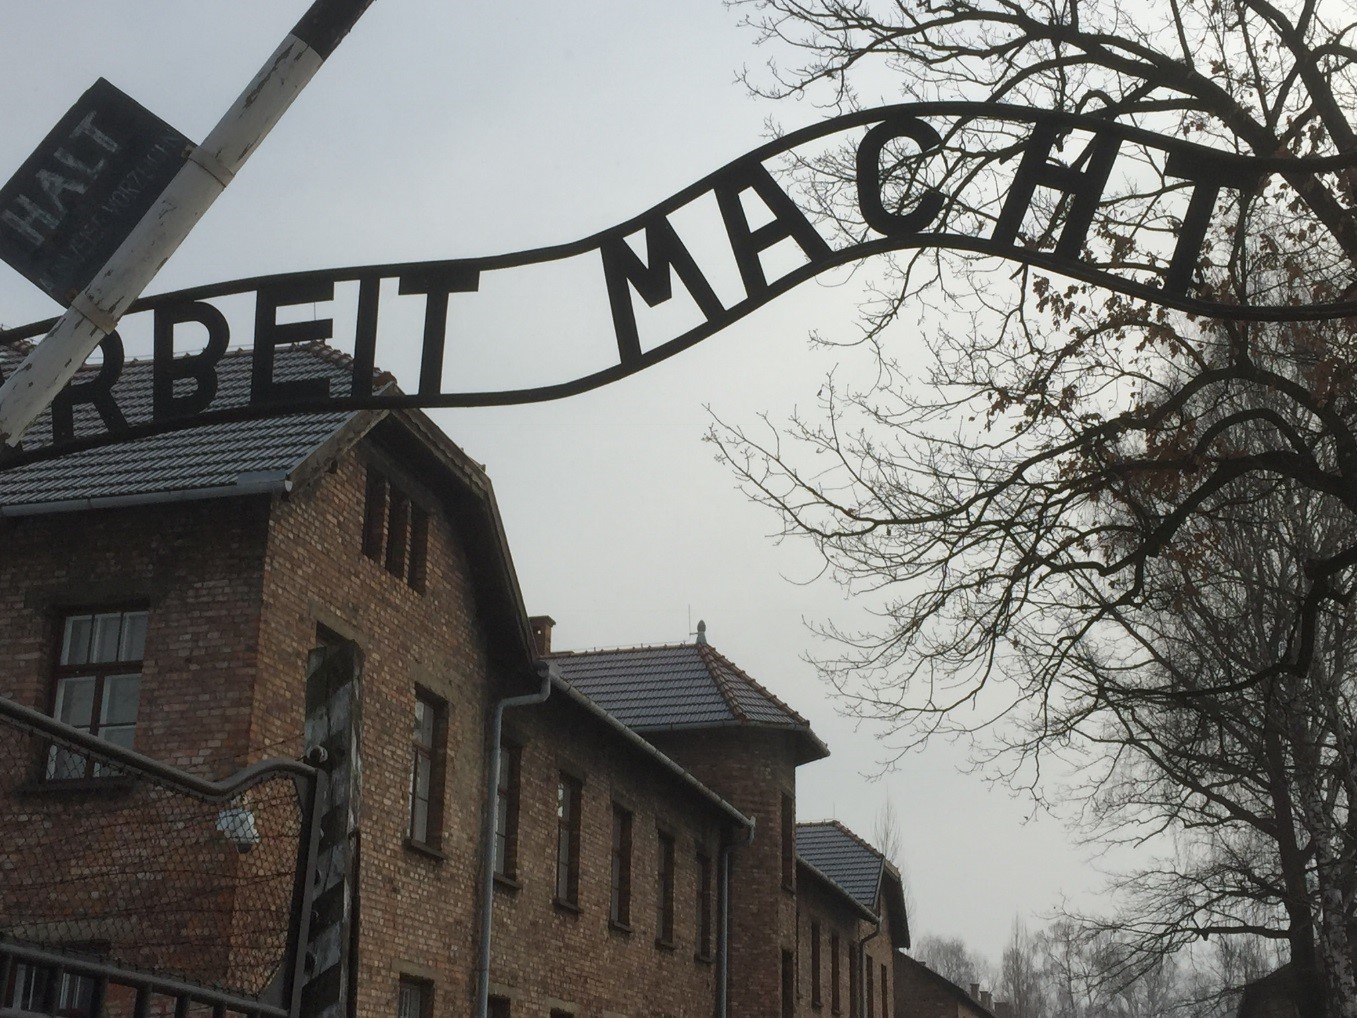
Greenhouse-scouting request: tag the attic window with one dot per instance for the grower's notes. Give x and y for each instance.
(395, 531)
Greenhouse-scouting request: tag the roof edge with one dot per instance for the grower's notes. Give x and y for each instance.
(269, 483)
(862, 910)
(632, 736)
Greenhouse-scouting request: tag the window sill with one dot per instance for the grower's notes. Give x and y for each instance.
(112, 785)
(507, 884)
(619, 927)
(420, 848)
(705, 959)
(664, 945)
(568, 907)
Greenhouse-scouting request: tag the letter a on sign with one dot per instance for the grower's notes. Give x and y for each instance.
(78, 196)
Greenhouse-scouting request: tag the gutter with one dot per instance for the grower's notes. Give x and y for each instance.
(630, 735)
(548, 672)
(261, 483)
(862, 910)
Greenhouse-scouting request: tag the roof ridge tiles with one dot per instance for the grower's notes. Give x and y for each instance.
(706, 653)
(581, 651)
(758, 686)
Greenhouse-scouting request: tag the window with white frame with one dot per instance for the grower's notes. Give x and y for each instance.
(97, 686)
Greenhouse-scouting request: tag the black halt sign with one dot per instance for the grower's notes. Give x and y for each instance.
(74, 201)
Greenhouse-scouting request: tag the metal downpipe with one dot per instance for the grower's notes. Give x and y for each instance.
(547, 671)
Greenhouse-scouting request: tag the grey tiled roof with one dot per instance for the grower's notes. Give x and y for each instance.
(844, 858)
(683, 686)
(198, 460)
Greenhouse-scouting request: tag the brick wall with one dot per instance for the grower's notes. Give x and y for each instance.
(921, 993)
(825, 907)
(236, 591)
(418, 909)
(752, 769)
(880, 956)
(124, 865)
(550, 956)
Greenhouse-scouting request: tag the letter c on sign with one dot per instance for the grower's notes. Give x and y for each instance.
(874, 213)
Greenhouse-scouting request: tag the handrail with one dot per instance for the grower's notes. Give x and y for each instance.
(244, 779)
(132, 978)
(282, 997)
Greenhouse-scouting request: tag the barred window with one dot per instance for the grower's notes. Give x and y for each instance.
(414, 998)
(664, 890)
(815, 963)
(704, 909)
(506, 811)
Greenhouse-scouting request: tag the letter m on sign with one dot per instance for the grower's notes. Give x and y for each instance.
(622, 270)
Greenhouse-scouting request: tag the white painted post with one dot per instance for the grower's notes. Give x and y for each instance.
(94, 313)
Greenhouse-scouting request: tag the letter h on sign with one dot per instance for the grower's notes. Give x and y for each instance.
(1086, 186)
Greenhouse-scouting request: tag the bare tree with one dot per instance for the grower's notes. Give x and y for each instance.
(1020, 975)
(1037, 521)
(890, 842)
(952, 959)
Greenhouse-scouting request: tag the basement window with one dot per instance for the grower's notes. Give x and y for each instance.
(414, 998)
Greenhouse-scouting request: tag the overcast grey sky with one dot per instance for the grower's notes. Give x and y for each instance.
(442, 130)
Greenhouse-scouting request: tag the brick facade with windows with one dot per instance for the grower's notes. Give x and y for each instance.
(579, 959)
(380, 531)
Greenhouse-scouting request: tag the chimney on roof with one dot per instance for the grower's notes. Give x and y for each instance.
(975, 991)
(701, 633)
(986, 1001)
(541, 632)
(1003, 1009)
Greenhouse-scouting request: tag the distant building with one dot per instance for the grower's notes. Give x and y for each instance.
(923, 993)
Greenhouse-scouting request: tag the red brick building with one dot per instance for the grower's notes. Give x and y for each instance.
(635, 836)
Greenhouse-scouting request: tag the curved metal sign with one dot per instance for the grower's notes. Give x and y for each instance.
(884, 203)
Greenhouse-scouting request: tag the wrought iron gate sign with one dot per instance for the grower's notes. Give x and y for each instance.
(70, 205)
(888, 212)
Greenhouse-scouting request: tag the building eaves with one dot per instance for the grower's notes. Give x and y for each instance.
(833, 886)
(214, 460)
(853, 863)
(682, 687)
(261, 456)
(664, 761)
